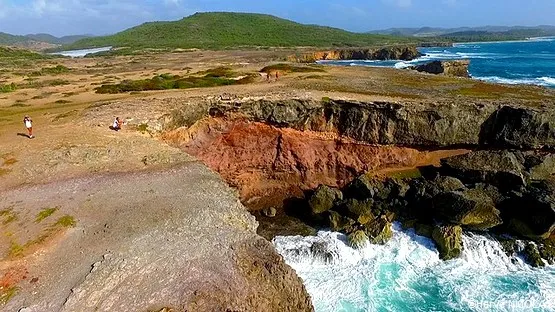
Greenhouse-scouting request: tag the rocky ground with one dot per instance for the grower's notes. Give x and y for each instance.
(90, 216)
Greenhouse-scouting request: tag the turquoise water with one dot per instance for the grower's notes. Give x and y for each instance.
(407, 275)
(518, 62)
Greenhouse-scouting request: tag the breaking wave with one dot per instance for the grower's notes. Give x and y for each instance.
(406, 274)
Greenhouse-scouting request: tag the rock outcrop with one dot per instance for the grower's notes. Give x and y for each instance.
(448, 240)
(405, 53)
(458, 68)
(175, 239)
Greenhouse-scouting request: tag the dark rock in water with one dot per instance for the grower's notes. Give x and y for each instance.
(378, 230)
(359, 210)
(472, 209)
(339, 223)
(458, 68)
(547, 251)
(509, 245)
(532, 255)
(322, 250)
(425, 230)
(365, 187)
(500, 168)
(357, 239)
(531, 214)
(323, 199)
(520, 128)
(448, 239)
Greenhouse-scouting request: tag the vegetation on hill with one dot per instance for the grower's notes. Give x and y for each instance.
(465, 34)
(7, 39)
(232, 30)
(221, 76)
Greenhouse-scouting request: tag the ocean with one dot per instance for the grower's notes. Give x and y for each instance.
(516, 62)
(406, 274)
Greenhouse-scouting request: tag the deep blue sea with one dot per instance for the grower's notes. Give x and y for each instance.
(517, 62)
(406, 274)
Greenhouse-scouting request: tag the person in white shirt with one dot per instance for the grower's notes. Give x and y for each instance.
(117, 124)
(29, 125)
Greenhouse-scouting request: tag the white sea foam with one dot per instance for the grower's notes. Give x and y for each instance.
(406, 274)
(81, 53)
(542, 81)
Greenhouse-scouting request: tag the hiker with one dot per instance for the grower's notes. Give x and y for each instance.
(117, 124)
(29, 125)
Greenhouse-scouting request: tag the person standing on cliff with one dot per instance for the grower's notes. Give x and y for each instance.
(28, 122)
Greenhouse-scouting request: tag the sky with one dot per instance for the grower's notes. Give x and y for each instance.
(99, 17)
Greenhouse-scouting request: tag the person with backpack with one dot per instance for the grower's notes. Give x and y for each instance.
(28, 122)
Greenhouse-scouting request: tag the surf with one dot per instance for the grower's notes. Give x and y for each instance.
(406, 274)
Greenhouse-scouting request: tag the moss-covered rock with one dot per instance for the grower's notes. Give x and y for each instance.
(379, 230)
(323, 199)
(357, 239)
(448, 239)
(473, 209)
(532, 255)
(340, 223)
(358, 210)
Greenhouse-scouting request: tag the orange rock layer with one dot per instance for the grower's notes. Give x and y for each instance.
(269, 164)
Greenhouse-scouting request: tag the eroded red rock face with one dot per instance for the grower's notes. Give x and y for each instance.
(269, 164)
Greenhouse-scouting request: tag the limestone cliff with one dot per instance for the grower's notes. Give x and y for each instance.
(457, 68)
(406, 53)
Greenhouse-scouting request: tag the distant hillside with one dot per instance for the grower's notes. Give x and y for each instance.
(231, 30)
(472, 33)
(56, 40)
(7, 39)
(36, 42)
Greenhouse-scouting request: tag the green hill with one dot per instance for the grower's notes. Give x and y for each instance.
(233, 30)
(7, 39)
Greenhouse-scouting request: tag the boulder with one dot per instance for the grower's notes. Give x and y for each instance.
(531, 214)
(365, 187)
(423, 229)
(357, 239)
(448, 239)
(323, 199)
(340, 223)
(544, 168)
(458, 68)
(500, 168)
(358, 210)
(449, 184)
(519, 127)
(547, 252)
(378, 230)
(399, 187)
(472, 209)
(491, 191)
(532, 255)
